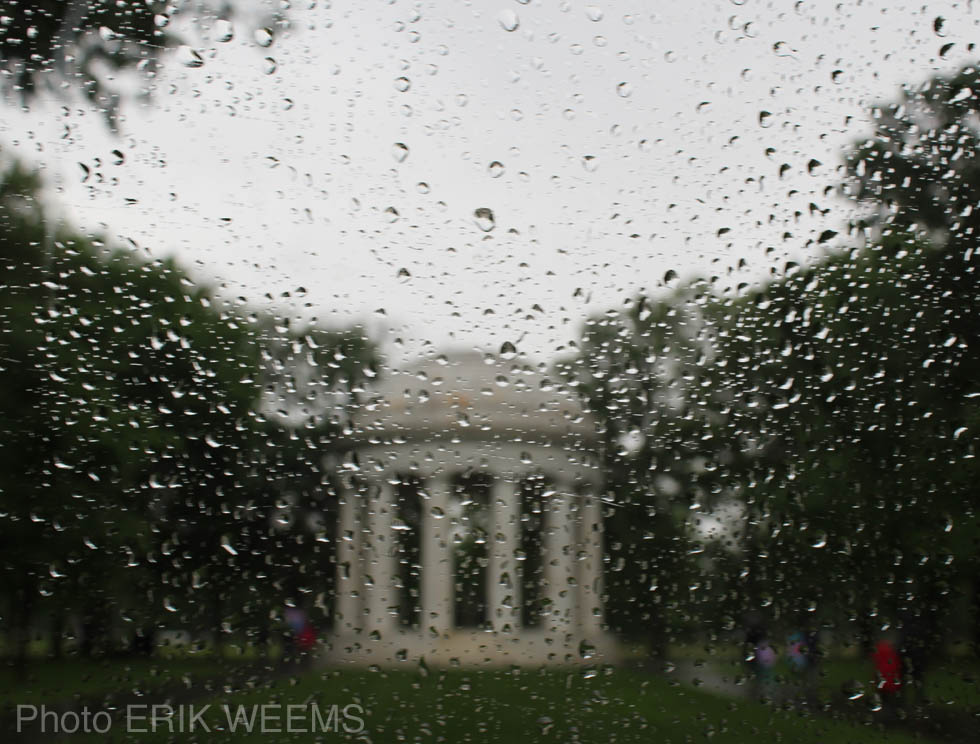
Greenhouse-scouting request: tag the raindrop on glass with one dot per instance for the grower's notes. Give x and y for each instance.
(508, 20)
(263, 37)
(189, 57)
(484, 219)
(223, 31)
(399, 151)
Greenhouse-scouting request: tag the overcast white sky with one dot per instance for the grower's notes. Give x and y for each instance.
(628, 133)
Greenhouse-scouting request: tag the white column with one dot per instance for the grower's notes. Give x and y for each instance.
(503, 579)
(590, 563)
(380, 579)
(349, 578)
(437, 562)
(559, 560)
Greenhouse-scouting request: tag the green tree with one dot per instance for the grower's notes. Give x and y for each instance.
(834, 404)
(51, 45)
(637, 372)
(145, 476)
(919, 173)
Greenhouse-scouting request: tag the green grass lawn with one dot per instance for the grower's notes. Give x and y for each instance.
(522, 706)
(457, 705)
(50, 681)
(72, 677)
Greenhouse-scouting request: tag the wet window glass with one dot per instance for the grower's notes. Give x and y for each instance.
(415, 370)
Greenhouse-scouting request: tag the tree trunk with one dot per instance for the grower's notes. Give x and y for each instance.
(58, 634)
(95, 629)
(21, 626)
(658, 635)
(866, 632)
(976, 614)
(217, 619)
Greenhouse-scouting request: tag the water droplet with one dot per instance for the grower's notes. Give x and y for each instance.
(590, 163)
(624, 90)
(508, 351)
(392, 214)
(269, 65)
(161, 20)
(594, 13)
(189, 57)
(495, 169)
(399, 151)
(782, 49)
(483, 216)
(263, 37)
(223, 31)
(404, 274)
(437, 512)
(118, 158)
(765, 118)
(508, 20)
(402, 84)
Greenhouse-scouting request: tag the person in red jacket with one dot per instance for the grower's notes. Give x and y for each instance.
(306, 639)
(888, 666)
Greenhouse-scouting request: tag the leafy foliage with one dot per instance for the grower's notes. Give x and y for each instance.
(141, 470)
(833, 408)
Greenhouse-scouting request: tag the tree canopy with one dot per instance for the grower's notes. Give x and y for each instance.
(833, 407)
(142, 464)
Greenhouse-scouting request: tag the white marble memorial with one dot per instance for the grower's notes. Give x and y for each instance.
(471, 530)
